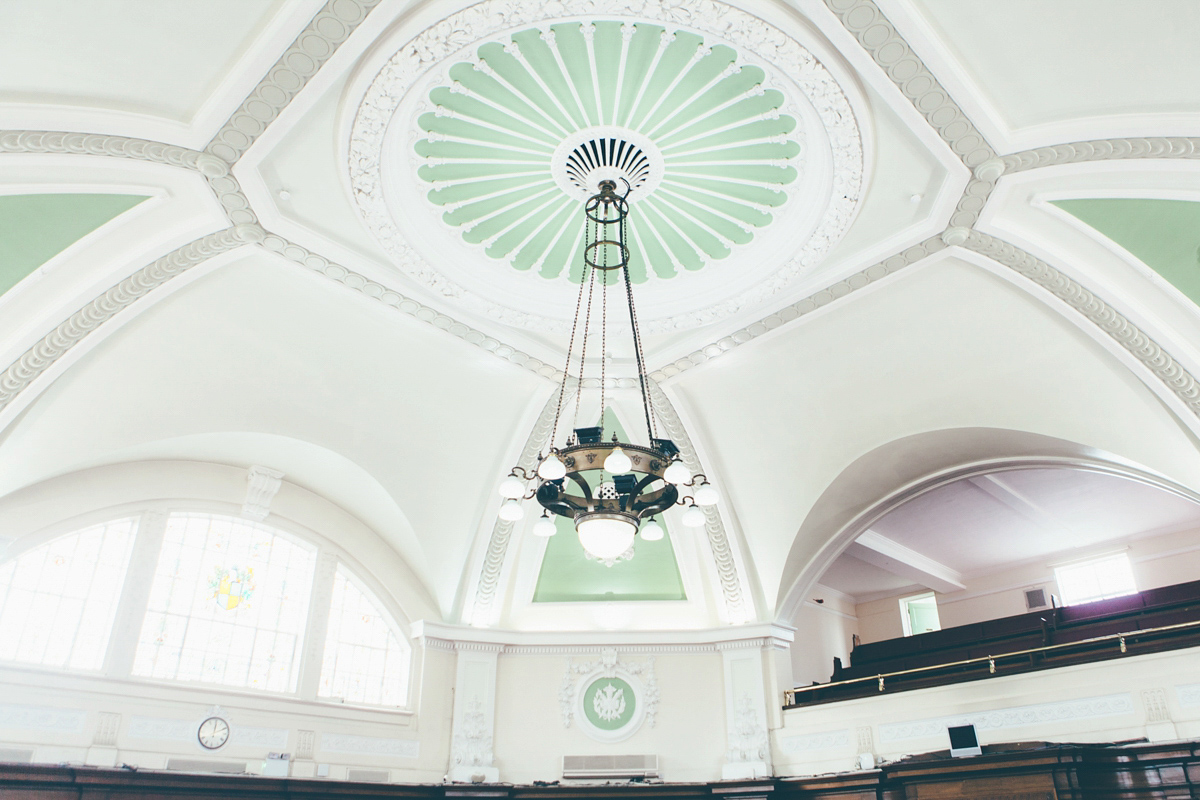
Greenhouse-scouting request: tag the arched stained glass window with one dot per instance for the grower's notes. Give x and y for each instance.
(228, 604)
(58, 600)
(366, 658)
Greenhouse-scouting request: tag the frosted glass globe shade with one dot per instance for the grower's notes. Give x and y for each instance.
(511, 511)
(512, 487)
(617, 462)
(693, 517)
(707, 495)
(677, 473)
(545, 527)
(552, 468)
(652, 531)
(605, 537)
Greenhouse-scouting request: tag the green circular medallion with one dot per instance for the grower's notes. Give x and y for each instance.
(609, 703)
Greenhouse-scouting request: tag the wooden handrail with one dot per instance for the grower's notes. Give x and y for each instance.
(789, 695)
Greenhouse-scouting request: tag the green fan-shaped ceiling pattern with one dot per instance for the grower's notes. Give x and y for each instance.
(567, 575)
(1162, 234)
(720, 145)
(36, 227)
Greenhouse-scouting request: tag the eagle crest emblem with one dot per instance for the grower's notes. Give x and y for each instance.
(609, 703)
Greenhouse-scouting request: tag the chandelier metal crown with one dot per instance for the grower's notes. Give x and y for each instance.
(612, 490)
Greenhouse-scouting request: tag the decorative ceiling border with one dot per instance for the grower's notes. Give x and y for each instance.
(484, 610)
(1102, 150)
(331, 26)
(879, 37)
(215, 171)
(1104, 316)
(738, 605)
(53, 345)
(711, 17)
(891, 52)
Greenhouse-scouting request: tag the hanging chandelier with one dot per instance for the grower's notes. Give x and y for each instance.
(612, 490)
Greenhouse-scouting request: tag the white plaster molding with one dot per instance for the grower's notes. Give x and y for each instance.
(272, 738)
(37, 359)
(108, 725)
(158, 728)
(224, 185)
(1154, 701)
(485, 610)
(1103, 150)
(453, 637)
(393, 299)
(42, 718)
(808, 305)
(262, 485)
(825, 740)
(1128, 335)
(748, 753)
(331, 26)
(577, 676)
(473, 723)
(893, 54)
(369, 745)
(739, 606)
(1188, 694)
(393, 81)
(1016, 717)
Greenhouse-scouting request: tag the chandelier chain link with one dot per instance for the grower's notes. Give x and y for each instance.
(562, 389)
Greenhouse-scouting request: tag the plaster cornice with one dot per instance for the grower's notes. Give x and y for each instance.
(454, 637)
(1103, 150)
(331, 26)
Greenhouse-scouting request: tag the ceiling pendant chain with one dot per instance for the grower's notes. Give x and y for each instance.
(611, 490)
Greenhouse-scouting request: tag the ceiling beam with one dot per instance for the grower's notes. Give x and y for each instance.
(879, 550)
(998, 489)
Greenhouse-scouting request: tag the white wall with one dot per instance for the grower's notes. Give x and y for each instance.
(1157, 561)
(823, 631)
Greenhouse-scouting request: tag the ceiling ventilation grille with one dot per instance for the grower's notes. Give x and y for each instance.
(368, 775)
(200, 765)
(1036, 598)
(621, 158)
(609, 767)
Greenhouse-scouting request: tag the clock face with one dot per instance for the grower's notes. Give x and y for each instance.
(213, 733)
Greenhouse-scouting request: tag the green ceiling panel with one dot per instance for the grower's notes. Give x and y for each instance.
(36, 227)
(1162, 234)
(518, 110)
(568, 576)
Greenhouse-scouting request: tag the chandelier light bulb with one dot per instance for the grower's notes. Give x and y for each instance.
(605, 537)
(511, 511)
(512, 488)
(552, 468)
(677, 473)
(707, 495)
(617, 462)
(545, 527)
(693, 517)
(652, 531)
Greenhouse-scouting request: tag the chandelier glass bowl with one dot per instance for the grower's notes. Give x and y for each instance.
(608, 489)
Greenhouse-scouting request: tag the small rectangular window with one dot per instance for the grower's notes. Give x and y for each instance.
(1098, 579)
(919, 614)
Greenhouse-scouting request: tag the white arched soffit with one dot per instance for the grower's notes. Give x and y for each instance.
(61, 504)
(893, 474)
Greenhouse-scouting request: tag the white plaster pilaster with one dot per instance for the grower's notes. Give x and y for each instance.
(746, 675)
(474, 713)
(135, 594)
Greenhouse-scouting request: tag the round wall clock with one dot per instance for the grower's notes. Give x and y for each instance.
(213, 733)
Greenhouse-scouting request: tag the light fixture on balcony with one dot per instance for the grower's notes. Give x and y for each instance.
(609, 489)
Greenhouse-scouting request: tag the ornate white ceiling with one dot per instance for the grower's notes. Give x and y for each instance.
(305, 280)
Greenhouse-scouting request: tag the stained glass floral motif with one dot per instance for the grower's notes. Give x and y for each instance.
(58, 601)
(228, 604)
(366, 658)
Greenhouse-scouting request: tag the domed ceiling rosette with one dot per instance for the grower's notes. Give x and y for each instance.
(470, 160)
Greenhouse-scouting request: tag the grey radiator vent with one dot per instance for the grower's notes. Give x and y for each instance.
(609, 767)
(368, 775)
(201, 765)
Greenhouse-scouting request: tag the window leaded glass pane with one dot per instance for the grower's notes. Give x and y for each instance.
(58, 601)
(366, 659)
(228, 604)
